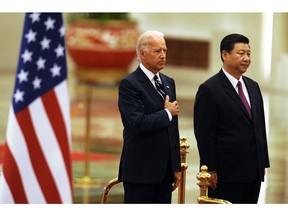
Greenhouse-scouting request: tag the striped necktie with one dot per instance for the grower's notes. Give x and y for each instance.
(159, 87)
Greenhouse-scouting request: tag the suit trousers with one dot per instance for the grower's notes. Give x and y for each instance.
(141, 193)
(237, 193)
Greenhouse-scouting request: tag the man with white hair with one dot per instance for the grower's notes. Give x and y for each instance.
(150, 162)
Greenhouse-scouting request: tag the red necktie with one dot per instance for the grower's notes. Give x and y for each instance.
(243, 98)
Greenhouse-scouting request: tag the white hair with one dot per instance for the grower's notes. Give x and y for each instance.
(142, 42)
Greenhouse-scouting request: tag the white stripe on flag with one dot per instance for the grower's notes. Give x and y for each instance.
(4, 189)
(51, 150)
(18, 147)
(62, 95)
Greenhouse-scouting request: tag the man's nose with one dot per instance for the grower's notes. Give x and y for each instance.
(246, 58)
(163, 54)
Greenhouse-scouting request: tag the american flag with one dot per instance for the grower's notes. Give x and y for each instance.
(37, 160)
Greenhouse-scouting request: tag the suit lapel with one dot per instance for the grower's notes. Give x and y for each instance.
(148, 86)
(230, 91)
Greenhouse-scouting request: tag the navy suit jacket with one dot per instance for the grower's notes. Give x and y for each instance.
(151, 140)
(228, 140)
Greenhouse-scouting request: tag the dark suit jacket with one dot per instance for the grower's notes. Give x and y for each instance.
(228, 141)
(151, 140)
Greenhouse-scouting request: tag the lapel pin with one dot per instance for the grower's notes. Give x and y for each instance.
(167, 86)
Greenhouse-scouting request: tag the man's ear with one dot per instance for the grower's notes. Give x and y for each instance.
(224, 54)
(142, 53)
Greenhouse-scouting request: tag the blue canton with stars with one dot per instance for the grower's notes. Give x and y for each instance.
(42, 59)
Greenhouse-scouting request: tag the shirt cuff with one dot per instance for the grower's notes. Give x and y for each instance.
(169, 114)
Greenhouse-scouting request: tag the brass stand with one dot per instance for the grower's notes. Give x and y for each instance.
(184, 166)
(87, 179)
(204, 178)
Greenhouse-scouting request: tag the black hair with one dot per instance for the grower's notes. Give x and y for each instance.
(229, 41)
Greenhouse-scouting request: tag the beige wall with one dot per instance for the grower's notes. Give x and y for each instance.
(11, 25)
(279, 67)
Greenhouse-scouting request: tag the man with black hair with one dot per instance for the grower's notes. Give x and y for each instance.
(229, 126)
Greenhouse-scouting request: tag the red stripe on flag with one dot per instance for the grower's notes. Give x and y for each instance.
(37, 158)
(13, 179)
(59, 128)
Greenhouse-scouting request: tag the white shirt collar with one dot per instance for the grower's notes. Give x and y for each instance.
(148, 73)
(232, 79)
